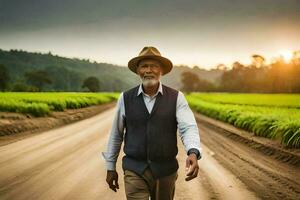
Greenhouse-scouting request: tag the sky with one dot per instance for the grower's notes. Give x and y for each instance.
(188, 32)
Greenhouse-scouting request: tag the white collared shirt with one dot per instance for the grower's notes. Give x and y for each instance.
(187, 126)
(149, 101)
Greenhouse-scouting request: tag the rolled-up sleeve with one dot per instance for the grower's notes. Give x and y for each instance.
(187, 125)
(116, 136)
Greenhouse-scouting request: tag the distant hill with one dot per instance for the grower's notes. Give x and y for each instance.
(67, 74)
(173, 79)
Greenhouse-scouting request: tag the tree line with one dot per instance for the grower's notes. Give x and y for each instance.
(36, 80)
(23, 71)
(279, 76)
(66, 74)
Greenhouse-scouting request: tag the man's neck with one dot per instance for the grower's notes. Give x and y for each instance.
(151, 90)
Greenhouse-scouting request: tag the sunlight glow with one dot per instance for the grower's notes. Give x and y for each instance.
(286, 54)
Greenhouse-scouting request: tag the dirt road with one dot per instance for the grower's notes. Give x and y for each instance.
(66, 163)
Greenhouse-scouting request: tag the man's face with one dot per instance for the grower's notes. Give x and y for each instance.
(149, 71)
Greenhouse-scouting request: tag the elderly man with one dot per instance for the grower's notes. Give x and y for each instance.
(150, 114)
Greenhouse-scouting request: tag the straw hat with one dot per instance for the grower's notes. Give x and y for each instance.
(153, 53)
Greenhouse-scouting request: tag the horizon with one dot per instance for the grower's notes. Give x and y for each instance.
(286, 56)
(210, 33)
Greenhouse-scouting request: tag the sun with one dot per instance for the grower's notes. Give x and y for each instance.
(286, 54)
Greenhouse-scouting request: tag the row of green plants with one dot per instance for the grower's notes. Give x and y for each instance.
(273, 122)
(41, 104)
(268, 100)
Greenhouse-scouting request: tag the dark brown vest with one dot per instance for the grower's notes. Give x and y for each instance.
(150, 139)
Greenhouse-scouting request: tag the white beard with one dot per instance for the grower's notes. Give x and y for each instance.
(149, 82)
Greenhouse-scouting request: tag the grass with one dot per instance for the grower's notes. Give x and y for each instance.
(41, 104)
(271, 119)
(267, 100)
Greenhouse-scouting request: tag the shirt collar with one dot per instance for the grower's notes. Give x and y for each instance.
(142, 91)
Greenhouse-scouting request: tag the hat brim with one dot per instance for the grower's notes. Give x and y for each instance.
(165, 62)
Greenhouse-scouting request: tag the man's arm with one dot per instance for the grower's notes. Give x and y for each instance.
(114, 145)
(116, 136)
(189, 134)
(187, 127)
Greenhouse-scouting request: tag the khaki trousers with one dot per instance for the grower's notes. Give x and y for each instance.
(145, 186)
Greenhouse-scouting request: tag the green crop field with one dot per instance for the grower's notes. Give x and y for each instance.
(268, 100)
(273, 116)
(41, 104)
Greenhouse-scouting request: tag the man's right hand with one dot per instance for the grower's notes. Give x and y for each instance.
(112, 180)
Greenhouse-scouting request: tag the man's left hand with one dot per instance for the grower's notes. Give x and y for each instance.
(191, 167)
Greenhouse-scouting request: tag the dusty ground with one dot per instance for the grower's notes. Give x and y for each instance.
(17, 126)
(66, 163)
